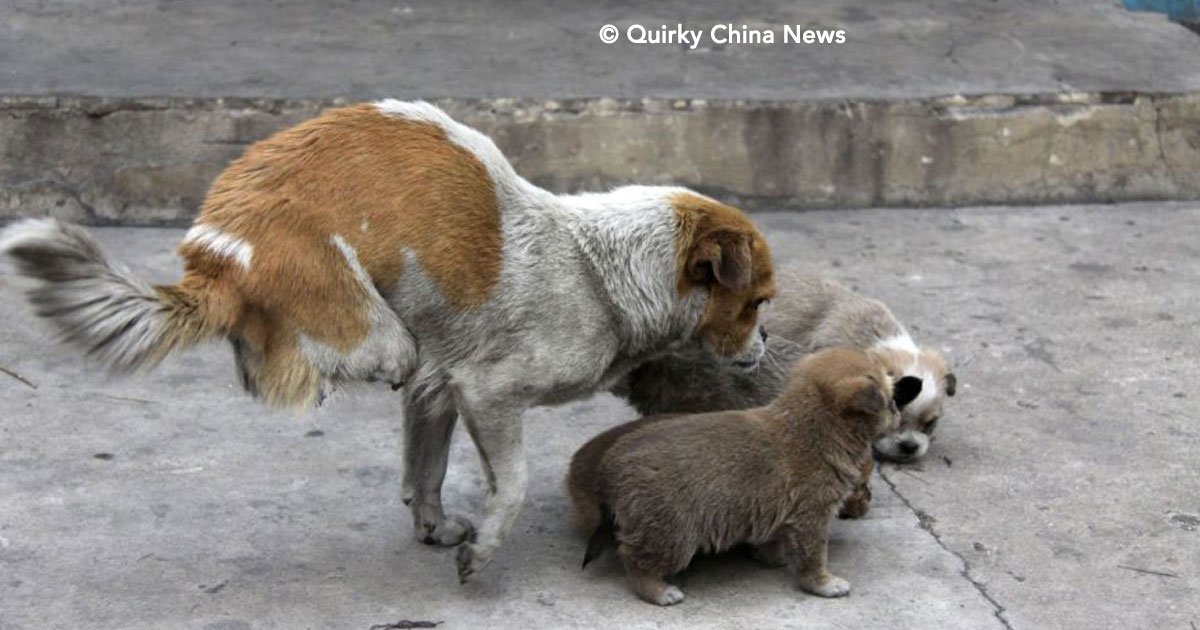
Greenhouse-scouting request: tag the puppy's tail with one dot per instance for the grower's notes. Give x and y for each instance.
(593, 518)
(97, 304)
(602, 538)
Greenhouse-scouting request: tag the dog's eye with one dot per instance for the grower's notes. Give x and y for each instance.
(930, 426)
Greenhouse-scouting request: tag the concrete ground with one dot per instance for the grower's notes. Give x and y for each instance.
(1062, 491)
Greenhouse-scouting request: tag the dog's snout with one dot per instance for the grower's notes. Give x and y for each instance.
(908, 447)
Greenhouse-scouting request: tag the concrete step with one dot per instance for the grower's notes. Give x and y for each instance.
(149, 161)
(927, 103)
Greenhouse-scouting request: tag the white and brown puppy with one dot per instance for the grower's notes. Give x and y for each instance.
(818, 313)
(808, 313)
(388, 242)
(668, 487)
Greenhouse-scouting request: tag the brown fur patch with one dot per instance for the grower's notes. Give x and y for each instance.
(383, 184)
(199, 306)
(934, 363)
(719, 249)
(897, 361)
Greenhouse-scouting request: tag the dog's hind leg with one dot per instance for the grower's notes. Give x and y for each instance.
(428, 427)
(648, 584)
(388, 352)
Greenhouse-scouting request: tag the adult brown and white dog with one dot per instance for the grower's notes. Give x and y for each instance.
(386, 241)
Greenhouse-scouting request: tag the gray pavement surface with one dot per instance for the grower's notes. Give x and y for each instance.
(531, 48)
(1062, 490)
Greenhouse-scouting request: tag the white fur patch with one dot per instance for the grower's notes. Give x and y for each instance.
(28, 230)
(902, 342)
(929, 390)
(220, 244)
(929, 382)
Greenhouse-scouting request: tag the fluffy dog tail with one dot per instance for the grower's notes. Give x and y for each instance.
(97, 305)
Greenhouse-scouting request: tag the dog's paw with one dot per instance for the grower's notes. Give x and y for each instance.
(670, 596)
(471, 559)
(855, 507)
(447, 532)
(833, 586)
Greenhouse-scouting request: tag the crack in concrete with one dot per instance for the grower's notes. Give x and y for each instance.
(925, 520)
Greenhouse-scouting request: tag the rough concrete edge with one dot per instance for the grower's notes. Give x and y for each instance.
(925, 521)
(518, 108)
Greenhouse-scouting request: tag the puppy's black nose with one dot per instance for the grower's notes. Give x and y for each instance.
(908, 448)
(762, 332)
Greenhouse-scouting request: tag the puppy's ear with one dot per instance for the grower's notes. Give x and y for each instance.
(906, 390)
(864, 396)
(723, 256)
(951, 383)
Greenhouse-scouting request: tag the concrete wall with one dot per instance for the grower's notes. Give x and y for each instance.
(149, 161)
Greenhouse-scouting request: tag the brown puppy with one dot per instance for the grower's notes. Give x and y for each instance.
(667, 487)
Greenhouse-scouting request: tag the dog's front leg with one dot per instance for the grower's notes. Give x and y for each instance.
(859, 501)
(496, 431)
(809, 547)
(428, 428)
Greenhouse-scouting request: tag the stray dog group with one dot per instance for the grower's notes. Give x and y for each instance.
(388, 242)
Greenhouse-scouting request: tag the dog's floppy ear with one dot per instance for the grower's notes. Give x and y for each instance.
(724, 256)
(906, 390)
(951, 383)
(863, 395)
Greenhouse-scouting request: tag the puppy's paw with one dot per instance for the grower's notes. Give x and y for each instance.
(471, 559)
(449, 531)
(670, 596)
(855, 507)
(832, 586)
